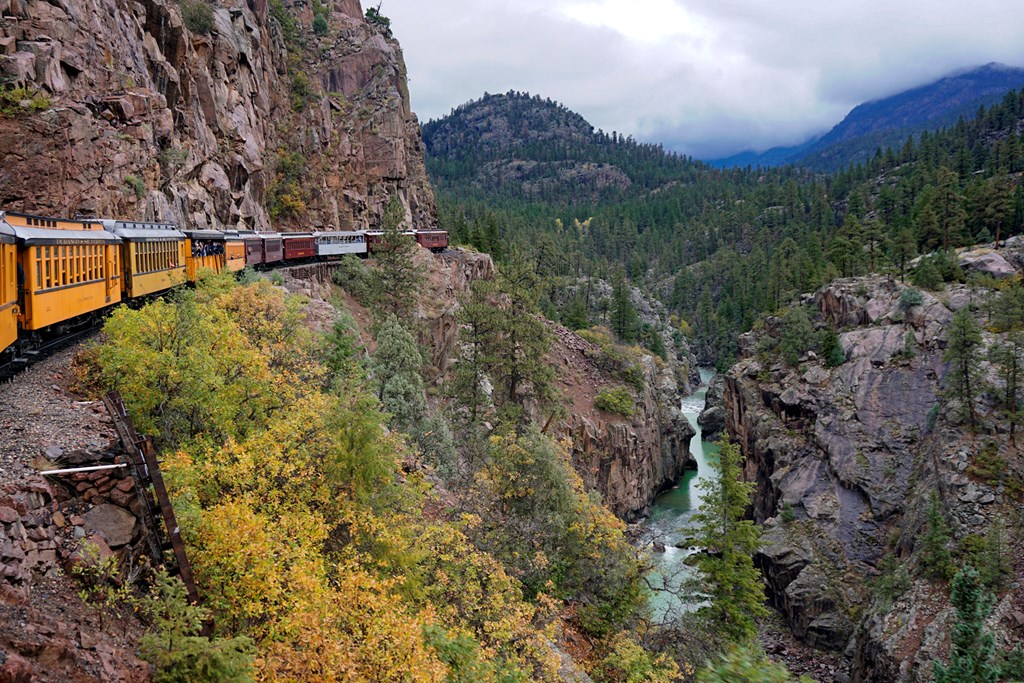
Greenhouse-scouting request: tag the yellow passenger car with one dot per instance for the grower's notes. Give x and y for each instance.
(234, 250)
(8, 286)
(70, 269)
(203, 249)
(153, 256)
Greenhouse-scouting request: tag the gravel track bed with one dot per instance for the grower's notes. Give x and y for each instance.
(39, 415)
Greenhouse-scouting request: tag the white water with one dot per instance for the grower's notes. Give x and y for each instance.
(670, 520)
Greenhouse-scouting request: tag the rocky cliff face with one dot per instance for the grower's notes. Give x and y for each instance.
(255, 123)
(628, 460)
(845, 460)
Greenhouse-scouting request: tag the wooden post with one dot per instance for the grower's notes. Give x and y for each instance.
(146, 471)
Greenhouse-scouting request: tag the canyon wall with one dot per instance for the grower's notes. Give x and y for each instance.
(255, 123)
(846, 460)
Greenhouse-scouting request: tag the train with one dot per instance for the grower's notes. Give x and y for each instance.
(58, 276)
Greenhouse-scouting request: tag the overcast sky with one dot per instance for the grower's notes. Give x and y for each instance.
(705, 77)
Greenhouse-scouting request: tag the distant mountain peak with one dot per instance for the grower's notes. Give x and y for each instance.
(890, 121)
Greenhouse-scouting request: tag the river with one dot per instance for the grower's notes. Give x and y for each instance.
(671, 513)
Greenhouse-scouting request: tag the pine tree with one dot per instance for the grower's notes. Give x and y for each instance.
(797, 335)
(963, 351)
(176, 649)
(1008, 310)
(624, 321)
(519, 342)
(831, 350)
(397, 279)
(903, 248)
(478, 325)
(949, 208)
(974, 649)
(1008, 358)
(728, 575)
(936, 559)
(396, 370)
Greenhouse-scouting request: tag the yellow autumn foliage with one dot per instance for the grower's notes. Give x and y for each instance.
(311, 528)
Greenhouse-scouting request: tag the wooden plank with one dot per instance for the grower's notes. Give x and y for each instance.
(136, 461)
(146, 471)
(170, 522)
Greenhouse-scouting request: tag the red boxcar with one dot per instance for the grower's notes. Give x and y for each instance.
(434, 240)
(273, 249)
(298, 246)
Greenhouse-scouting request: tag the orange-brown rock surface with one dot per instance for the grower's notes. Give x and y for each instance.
(147, 119)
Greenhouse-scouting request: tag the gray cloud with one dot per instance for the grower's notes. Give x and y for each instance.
(705, 77)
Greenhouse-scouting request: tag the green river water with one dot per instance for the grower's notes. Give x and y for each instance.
(671, 513)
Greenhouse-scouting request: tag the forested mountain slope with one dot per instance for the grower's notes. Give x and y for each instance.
(890, 121)
(721, 246)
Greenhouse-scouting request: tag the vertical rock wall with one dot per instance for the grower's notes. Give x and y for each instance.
(147, 119)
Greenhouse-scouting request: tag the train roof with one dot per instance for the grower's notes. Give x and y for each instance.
(139, 231)
(7, 235)
(28, 220)
(34, 236)
(340, 233)
(205, 234)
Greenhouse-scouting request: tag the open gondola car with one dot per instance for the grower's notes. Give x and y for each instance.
(203, 249)
(337, 244)
(70, 269)
(152, 256)
(8, 286)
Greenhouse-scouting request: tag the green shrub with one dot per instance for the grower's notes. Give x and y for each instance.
(622, 361)
(173, 157)
(909, 344)
(628, 662)
(352, 275)
(745, 663)
(290, 29)
(198, 16)
(786, 514)
(248, 276)
(135, 184)
(302, 90)
(911, 297)
(892, 583)
(618, 401)
(320, 27)
(11, 100)
(1011, 665)
(379, 21)
(177, 651)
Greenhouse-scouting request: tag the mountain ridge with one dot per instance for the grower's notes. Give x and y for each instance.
(890, 121)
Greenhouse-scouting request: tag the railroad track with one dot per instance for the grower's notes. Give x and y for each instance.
(31, 356)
